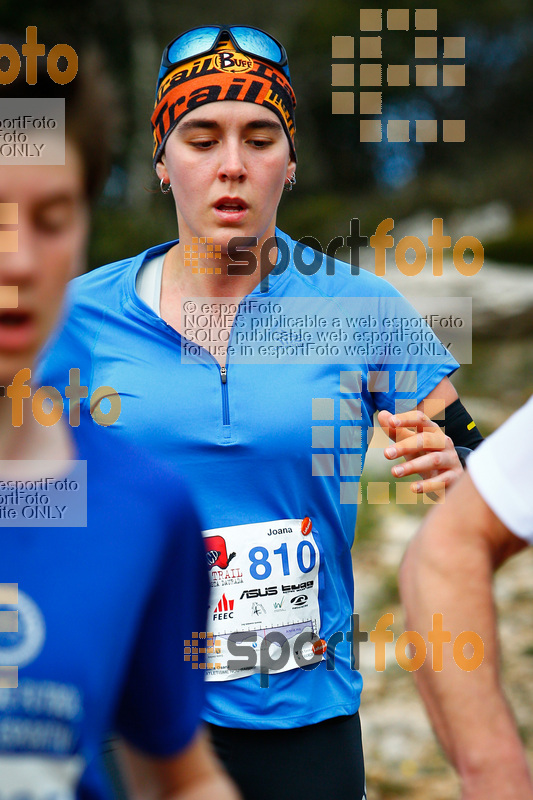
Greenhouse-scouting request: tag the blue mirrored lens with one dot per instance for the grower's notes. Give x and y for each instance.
(192, 43)
(202, 40)
(257, 42)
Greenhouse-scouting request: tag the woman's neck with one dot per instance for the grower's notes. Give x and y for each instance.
(224, 280)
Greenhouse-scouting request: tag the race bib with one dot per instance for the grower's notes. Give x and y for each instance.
(25, 777)
(264, 608)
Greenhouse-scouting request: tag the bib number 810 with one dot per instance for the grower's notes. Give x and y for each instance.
(261, 568)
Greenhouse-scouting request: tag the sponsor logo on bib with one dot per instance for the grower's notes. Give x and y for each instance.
(224, 608)
(217, 553)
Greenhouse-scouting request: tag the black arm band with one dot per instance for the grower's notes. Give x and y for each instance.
(459, 426)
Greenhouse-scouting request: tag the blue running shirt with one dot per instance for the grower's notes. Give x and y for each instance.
(103, 612)
(268, 444)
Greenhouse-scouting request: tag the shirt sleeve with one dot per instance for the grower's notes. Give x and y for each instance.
(502, 471)
(412, 360)
(163, 694)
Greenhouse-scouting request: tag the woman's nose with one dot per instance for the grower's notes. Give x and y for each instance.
(232, 165)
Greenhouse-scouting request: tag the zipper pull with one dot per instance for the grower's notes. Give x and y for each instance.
(223, 374)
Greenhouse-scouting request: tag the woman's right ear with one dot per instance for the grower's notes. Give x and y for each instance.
(161, 171)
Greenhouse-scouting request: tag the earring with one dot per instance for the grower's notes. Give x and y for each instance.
(161, 184)
(290, 183)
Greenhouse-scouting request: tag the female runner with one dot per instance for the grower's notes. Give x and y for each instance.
(224, 346)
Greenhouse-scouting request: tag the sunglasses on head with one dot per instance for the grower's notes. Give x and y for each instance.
(202, 40)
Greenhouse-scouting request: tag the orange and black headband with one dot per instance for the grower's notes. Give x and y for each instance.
(224, 74)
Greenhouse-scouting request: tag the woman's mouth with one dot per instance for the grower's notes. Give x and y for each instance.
(17, 330)
(231, 208)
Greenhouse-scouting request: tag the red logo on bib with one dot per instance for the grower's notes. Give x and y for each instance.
(320, 647)
(307, 526)
(217, 555)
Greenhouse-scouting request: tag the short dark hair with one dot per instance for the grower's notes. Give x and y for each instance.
(91, 109)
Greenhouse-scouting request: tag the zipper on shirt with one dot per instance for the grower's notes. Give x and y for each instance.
(225, 403)
(223, 382)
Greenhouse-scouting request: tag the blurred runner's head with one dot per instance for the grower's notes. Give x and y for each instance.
(45, 211)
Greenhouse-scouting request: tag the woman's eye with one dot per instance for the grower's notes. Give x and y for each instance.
(54, 220)
(203, 144)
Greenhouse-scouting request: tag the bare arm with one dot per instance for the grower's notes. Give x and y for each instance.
(193, 774)
(448, 570)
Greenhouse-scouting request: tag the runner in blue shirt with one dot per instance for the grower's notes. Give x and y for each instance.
(260, 381)
(103, 574)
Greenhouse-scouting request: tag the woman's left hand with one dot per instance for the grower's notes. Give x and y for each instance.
(427, 450)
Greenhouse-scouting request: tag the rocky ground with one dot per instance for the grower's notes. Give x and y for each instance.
(402, 756)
